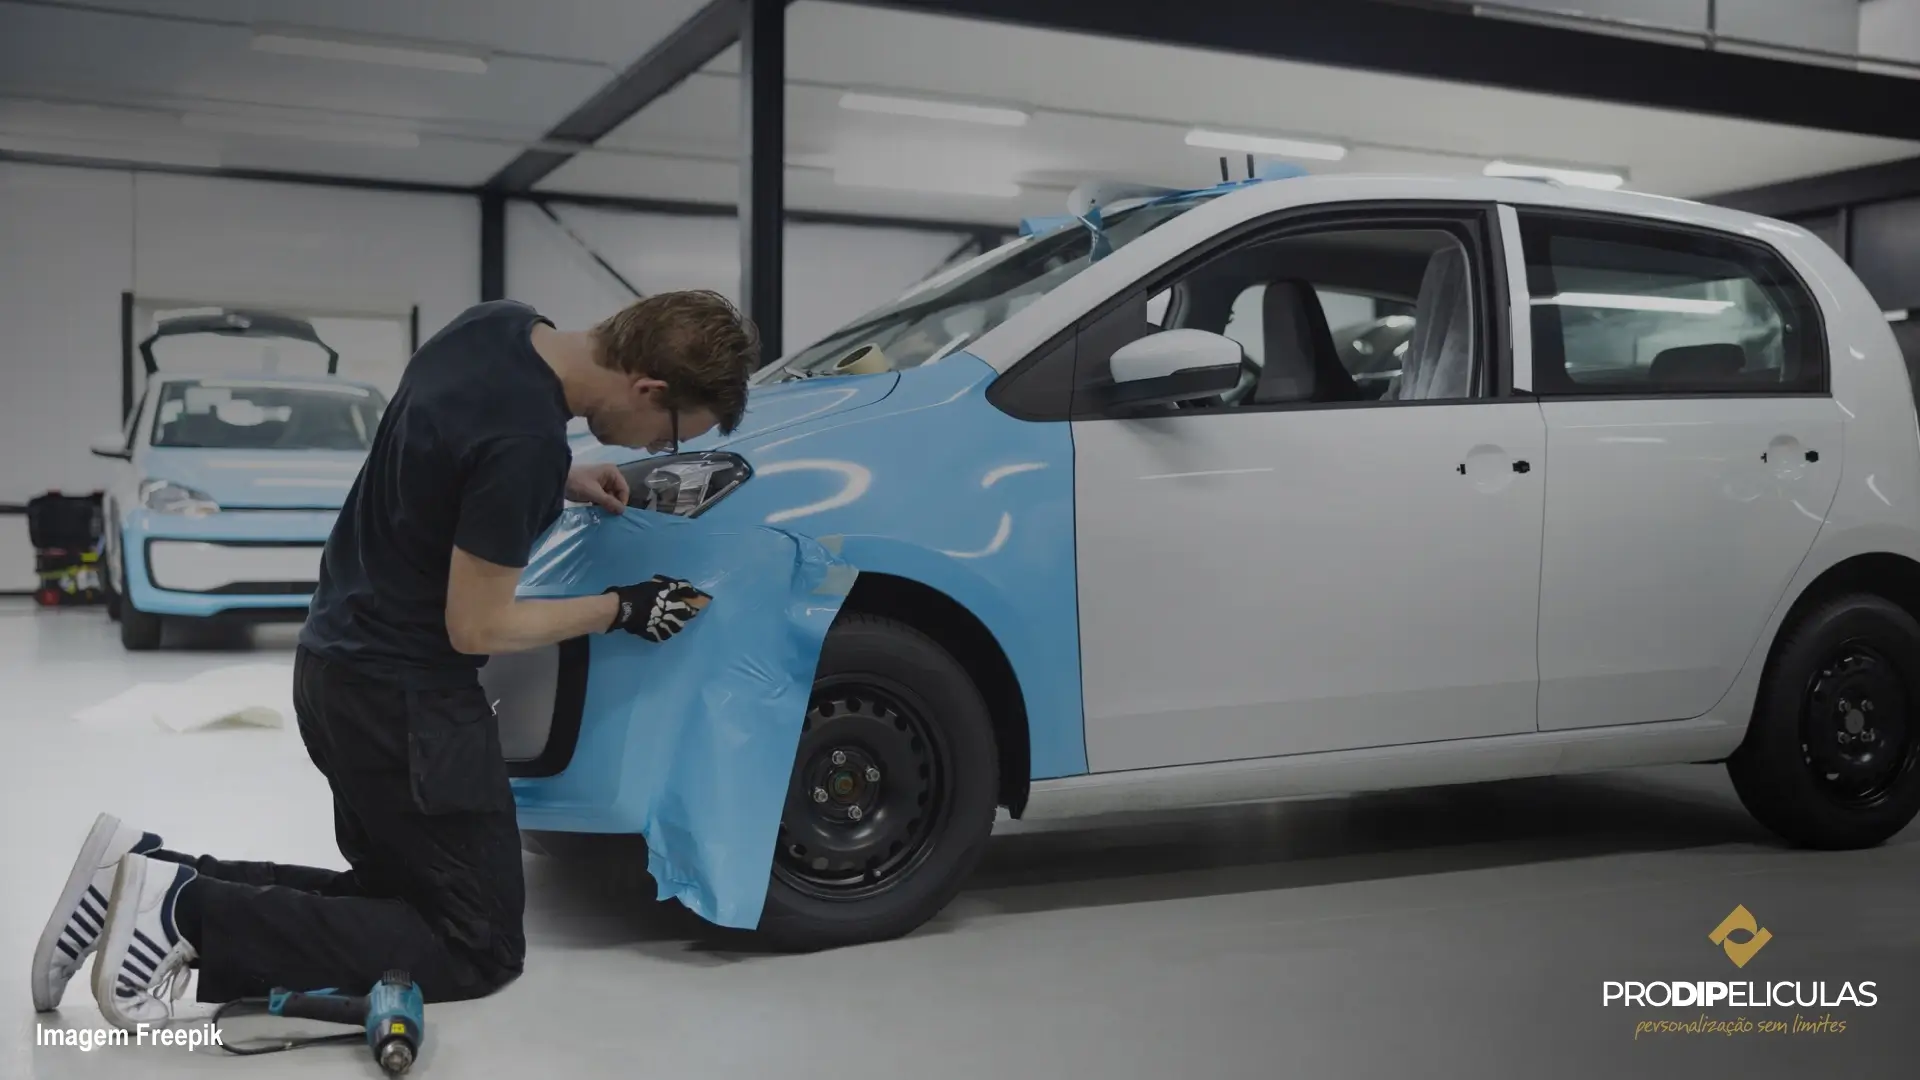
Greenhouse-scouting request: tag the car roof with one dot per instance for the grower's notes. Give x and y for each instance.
(1290, 191)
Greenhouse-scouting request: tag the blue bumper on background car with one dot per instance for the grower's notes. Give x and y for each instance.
(257, 561)
(690, 742)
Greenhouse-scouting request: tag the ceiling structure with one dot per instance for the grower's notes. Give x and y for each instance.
(448, 91)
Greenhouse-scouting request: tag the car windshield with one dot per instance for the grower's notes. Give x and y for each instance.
(951, 309)
(216, 414)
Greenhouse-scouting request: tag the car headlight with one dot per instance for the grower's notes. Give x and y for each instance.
(168, 497)
(684, 484)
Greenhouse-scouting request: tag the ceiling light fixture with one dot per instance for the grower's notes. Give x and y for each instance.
(1591, 178)
(144, 151)
(998, 116)
(929, 183)
(1681, 305)
(1265, 144)
(301, 131)
(368, 51)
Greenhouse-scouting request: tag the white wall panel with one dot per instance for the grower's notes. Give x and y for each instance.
(315, 248)
(834, 273)
(66, 254)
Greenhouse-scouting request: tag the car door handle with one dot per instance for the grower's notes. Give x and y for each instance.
(1813, 455)
(1522, 466)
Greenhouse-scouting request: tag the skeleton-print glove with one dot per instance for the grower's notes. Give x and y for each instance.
(658, 608)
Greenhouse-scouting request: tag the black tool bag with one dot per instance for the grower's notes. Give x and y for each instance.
(66, 531)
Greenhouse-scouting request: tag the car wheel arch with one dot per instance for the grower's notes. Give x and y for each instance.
(1887, 574)
(964, 636)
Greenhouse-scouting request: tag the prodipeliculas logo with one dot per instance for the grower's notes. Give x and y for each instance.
(1740, 937)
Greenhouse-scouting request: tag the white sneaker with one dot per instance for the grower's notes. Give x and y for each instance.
(74, 928)
(142, 967)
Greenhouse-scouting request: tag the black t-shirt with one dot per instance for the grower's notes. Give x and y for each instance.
(471, 453)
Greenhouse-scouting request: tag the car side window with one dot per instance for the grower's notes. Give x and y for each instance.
(1346, 314)
(1638, 309)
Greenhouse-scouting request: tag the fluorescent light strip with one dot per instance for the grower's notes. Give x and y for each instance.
(1627, 302)
(1605, 181)
(854, 101)
(300, 43)
(1265, 144)
(935, 184)
(143, 151)
(271, 128)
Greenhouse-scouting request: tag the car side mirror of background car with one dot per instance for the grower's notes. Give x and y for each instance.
(111, 446)
(1173, 366)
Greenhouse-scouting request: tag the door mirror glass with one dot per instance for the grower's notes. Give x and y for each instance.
(111, 446)
(1173, 366)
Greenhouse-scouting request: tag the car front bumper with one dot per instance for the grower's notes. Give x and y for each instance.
(253, 563)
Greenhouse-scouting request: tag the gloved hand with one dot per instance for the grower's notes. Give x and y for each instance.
(657, 608)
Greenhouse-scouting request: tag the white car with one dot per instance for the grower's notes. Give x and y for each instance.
(1642, 487)
(228, 485)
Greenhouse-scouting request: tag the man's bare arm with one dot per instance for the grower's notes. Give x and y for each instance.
(483, 618)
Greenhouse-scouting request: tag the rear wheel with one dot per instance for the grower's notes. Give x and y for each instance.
(893, 791)
(1830, 758)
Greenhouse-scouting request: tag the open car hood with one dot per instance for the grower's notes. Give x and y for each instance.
(770, 408)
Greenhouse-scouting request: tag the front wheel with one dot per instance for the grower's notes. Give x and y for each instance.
(893, 791)
(139, 631)
(1829, 760)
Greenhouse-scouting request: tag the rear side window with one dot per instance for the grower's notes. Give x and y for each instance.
(1632, 309)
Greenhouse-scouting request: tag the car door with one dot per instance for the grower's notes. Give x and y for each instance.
(1307, 564)
(1695, 451)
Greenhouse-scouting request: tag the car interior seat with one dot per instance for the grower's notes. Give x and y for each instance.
(1438, 364)
(1719, 364)
(1301, 362)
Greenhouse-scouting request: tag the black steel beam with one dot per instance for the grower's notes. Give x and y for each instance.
(1829, 191)
(686, 50)
(493, 246)
(763, 158)
(1446, 40)
(795, 216)
(270, 176)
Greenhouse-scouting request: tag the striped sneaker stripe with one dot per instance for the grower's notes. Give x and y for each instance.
(159, 951)
(97, 909)
(85, 920)
(99, 900)
(137, 967)
(80, 941)
(68, 949)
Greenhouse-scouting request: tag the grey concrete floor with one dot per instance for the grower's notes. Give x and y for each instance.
(1458, 932)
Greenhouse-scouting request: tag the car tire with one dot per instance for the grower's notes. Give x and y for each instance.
(110, 575)
(1830, 756)
(139, 631)
(920, 763)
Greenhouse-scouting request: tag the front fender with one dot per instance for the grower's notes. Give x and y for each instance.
(938, 486)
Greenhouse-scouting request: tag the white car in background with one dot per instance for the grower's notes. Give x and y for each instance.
(229, 485)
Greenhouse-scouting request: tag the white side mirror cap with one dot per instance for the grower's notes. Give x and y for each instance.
(111, 446)
(1169, 352)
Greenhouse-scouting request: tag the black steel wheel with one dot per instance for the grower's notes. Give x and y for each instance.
(892, 794)
(1856, 727)
(1830, 757)
(868, 793)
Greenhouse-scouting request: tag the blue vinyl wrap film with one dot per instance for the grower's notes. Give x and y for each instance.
(691, 741)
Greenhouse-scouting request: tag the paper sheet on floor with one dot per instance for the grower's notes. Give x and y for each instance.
(238, 696)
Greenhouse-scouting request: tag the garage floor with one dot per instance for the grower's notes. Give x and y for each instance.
(1458, 932)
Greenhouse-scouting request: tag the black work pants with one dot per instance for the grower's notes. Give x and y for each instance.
(424, 816)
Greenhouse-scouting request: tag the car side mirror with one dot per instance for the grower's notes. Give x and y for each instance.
(1174, 366)
(112, 446)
